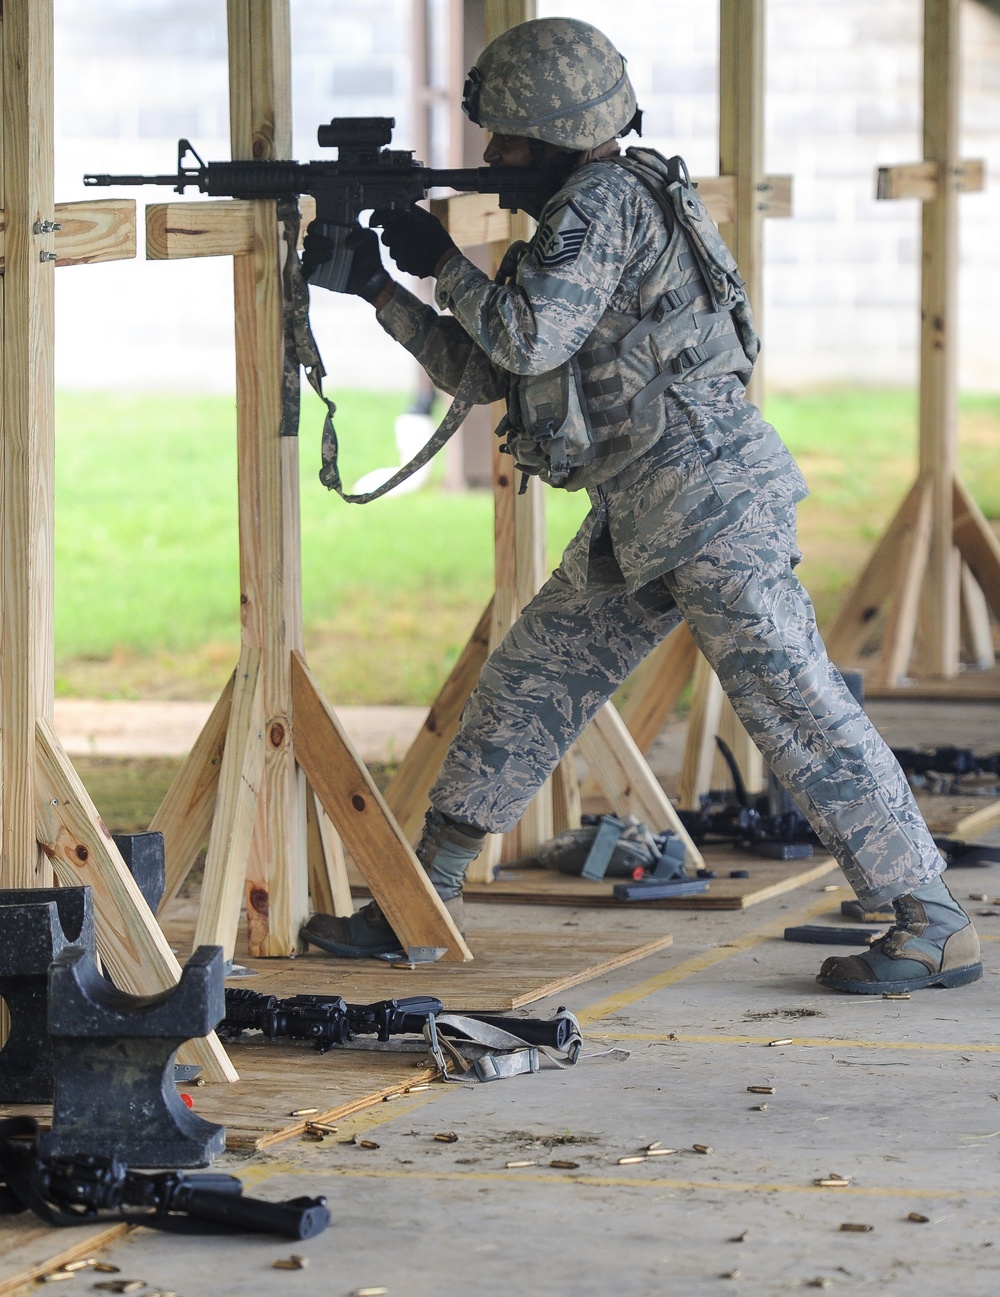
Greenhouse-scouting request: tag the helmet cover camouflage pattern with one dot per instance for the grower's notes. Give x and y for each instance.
(558, 80)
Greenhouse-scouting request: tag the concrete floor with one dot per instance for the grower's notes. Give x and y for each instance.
(901, 1097)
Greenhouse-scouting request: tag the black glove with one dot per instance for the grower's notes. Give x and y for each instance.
(416, 240)
(366, 276)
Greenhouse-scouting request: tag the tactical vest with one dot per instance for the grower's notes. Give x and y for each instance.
(584, 421)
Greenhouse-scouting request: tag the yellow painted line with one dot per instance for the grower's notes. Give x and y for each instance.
(623, 1182)
(806, 1041)
(698, 963)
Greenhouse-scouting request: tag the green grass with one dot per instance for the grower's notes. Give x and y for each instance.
(147, 577)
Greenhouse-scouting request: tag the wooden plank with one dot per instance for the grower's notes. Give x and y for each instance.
(268, 472)
(978, 544)
(856, 619)
(911, 566)
(981, 821)
(630, 785)
(476, 219)
(26, 447)
(977, 634)
(407, 794)
(657, 685)
(82, 851)
(219, 228)
(518, 885)
(329, 886)
(473, 219)
(939, 331)
(362, 818)
(745, 752)
(566, 795)
(515, 968)
(222, 890)
(90, 231)
(95, 231)
(741, 147)
(29, 1248)
(699, 745)
(921, 179)
(185, 815)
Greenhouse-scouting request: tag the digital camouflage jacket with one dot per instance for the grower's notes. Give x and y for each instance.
(694, 457)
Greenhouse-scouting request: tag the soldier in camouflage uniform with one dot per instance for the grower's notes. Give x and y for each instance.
(622, 340)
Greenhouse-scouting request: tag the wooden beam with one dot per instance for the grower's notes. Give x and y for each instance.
(475, 219)
(185, 815)
(90, 231)
(95, 231)
(407, 794)
(223, 888)
(359, 813)
(329, 885)
(741, 146)
(220, 228)
(923, 179)
(83, 853)
(26, 425)
(939, 330)
(700, 747)
(268, 473)
(657, 684)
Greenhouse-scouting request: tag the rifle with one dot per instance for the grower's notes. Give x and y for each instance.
(365, 176)
(327, 1020)
(75, 1190)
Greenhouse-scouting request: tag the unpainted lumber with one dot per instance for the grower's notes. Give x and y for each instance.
(222, 891)
(407, 794)
(329, 885)
(212, 229)
(185, 815)
(83, 853)
(359, 813)
(26, 424)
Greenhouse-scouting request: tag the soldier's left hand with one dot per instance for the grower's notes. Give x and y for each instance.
(416, 240)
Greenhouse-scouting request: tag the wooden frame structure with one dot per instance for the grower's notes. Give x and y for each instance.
(273, 782)
(50, 828)
(934, 578)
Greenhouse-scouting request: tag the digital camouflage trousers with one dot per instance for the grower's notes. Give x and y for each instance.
(748, 612)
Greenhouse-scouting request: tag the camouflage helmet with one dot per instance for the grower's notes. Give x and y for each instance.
(558, 80)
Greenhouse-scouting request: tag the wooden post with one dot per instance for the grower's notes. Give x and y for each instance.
(26, 519)
(273, 735)
(268, 469)
(938, 562)
(519, 526)
(50, 827)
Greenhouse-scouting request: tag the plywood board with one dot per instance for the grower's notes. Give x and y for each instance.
(526, 885)
(29, 1248)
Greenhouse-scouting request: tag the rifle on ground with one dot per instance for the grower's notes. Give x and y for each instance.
(328, 1020)
(81, 1190)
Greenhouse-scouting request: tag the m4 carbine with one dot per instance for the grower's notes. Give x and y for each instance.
(366, 176)
(328, 1020)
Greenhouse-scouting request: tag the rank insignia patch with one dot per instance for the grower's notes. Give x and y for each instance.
(562, 235)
